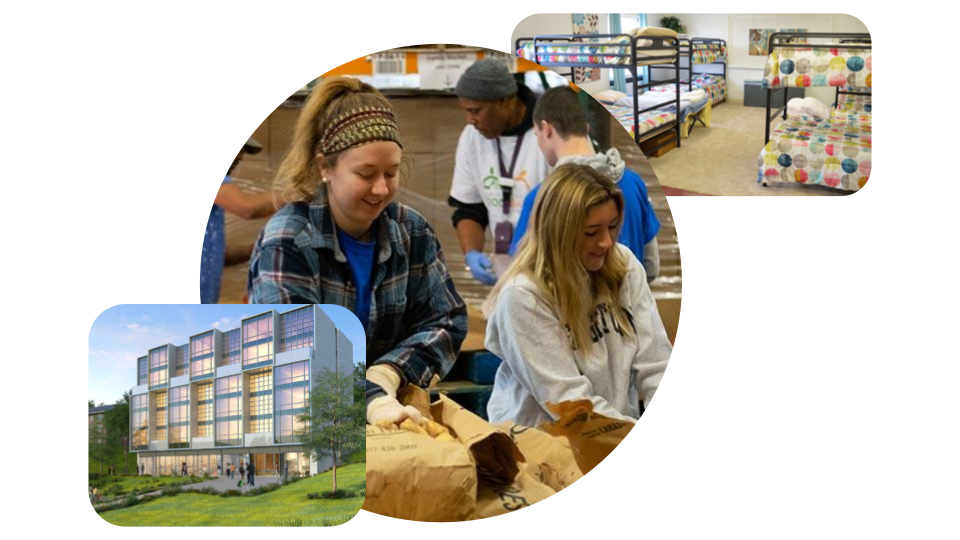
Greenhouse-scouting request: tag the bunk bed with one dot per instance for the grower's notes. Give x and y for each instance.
(657, 48)
(703, 51)
(834, 151)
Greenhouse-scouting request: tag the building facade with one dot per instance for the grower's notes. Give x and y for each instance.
(97, 417)
(231, 397)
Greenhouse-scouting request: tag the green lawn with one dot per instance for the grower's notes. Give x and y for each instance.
(280, 507)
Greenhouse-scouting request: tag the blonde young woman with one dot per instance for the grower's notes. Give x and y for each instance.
(344, 241)
(573, 316)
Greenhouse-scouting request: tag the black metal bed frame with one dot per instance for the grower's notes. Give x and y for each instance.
(714, 44)
(782, 40)
(686, 51)
(659, 42)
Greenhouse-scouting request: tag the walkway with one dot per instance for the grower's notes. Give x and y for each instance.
(220, 484)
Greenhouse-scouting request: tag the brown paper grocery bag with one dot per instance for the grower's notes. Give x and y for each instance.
(552, 455)
(592, 436)
(496, 455)
(411, 476)
(525, 490)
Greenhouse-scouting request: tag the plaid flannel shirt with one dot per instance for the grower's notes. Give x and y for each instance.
(417, 319)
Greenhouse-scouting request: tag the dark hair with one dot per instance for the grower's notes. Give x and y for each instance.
(561, 108)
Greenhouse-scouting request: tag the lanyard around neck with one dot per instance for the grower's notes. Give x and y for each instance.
(504, 173)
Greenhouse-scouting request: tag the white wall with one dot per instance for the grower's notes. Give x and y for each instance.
(735, 27)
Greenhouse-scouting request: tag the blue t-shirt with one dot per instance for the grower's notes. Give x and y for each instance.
(211, 258)
(639, 224)
(360, 257)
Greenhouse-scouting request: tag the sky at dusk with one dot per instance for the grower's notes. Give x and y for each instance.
(124, 333)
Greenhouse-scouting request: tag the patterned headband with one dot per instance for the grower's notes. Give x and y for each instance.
(358, 127)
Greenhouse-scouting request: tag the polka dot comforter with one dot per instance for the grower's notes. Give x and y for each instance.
(836, 151)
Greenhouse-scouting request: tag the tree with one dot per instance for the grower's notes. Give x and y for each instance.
(117, 423)
(98, 444)
(91, 404)
(360, 395)
(330, 429)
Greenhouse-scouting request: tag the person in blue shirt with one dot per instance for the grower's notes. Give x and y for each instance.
(561, 128)
(243, 204)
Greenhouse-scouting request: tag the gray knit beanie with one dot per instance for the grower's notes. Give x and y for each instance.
(486, 80)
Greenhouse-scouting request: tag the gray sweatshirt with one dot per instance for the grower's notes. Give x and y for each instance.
(539, 366)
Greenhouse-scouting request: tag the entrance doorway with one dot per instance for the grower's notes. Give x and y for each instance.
(267, 464)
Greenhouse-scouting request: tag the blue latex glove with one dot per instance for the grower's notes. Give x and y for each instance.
(481, 267)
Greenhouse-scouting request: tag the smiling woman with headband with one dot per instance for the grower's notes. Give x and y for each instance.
(344, 241)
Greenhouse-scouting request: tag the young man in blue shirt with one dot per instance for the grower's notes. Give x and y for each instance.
(561, 128)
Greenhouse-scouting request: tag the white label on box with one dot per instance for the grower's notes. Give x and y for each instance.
(441, 71)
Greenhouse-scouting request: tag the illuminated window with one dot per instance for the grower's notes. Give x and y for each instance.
(201, 357)
(204, 396)
(158, 368)
(179, 413)
(261, 402)
(160, 411)
(138, 422)
(229, 411)
(258, 341)
(292, 397)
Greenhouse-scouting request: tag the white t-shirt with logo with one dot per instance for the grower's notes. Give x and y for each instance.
(476, 173)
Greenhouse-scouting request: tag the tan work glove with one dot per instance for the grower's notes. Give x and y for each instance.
(387, 407)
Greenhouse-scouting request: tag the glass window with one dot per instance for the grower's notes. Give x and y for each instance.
(160, 416)
(229, 411)
(138, 422)
(182, 361)
(231, 347)
(201, 356)
(292, 391)
(297, 329)
(142, 370)
(261, 401)
(204, 397)
(158, 367)
(179, 413)
(258, 341)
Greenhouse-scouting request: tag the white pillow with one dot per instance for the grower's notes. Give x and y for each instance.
(808, 106)
(608, 96)
(815, 107)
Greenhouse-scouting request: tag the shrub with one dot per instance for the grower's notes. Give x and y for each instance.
(171, 491)
(231, 493)
(338, 494)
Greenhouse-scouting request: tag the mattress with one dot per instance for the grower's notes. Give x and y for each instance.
(592, 54)
(714, 85)
(834, 152)
(703, 53)
(648, 121)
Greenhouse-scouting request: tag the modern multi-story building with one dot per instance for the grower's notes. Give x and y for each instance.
(231, 396)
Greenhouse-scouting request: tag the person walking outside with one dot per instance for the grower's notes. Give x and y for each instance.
(285, 465)
(251, 470)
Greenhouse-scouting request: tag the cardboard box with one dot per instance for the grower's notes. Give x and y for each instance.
(648, 144)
